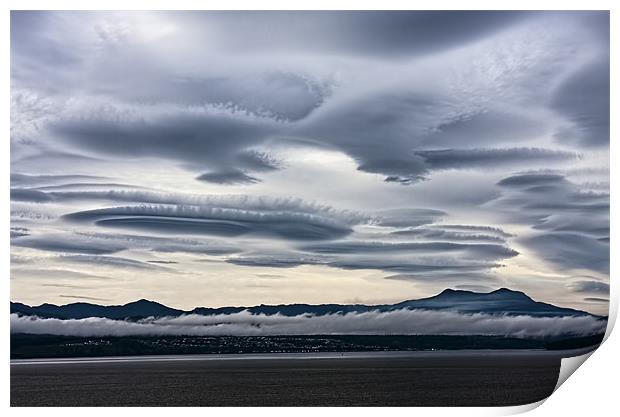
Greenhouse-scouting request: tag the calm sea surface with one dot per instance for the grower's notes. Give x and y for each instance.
(429, 378)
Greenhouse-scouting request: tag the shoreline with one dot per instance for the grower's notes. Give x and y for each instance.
(420, 354)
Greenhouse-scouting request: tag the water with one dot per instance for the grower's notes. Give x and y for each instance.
(429, 378)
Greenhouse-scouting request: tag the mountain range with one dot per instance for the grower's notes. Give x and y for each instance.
(502, 301)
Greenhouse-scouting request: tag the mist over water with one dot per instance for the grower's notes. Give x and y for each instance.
(402, 322)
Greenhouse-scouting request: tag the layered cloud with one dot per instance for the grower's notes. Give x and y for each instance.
(406, 322)
(571, 224)
(454, 148)
(215, 118)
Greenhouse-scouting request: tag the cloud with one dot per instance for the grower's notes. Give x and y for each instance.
(101, 243)
(441, 235)
(228, 177)
(427, 267)
(282, 260)
(571, 251)
(590, 287)
(206, 137)
(475, 229)
(19, 232)
(240, 202)
(597, 300)
(479, 158)
(584, 99)
(422, 322)
(337, 110)
(54, 274)
(227, 101)
(68, 243)
(83, 297)
(357, 32)
(532, 180)
(205, 220)
(407, 217)
(571, 226)
(24, 180)
(34, 196)
(448, 276)
(472, 250)
(432, 261)
(86, 186)
(110, 261)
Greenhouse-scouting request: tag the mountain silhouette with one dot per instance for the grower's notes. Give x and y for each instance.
(503, 301)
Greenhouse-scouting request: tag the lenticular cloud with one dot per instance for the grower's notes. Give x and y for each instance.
(404, 322)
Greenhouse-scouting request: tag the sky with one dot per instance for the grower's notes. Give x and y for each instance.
(244, 158)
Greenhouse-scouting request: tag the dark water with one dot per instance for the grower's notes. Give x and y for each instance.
(461, 378)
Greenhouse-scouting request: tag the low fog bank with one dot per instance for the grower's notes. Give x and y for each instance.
(402, 322)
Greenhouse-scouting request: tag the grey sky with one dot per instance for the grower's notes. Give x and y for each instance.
(228, 158)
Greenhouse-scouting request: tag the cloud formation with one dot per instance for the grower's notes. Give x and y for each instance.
(439, 148)
(572, 225)
(408, 322)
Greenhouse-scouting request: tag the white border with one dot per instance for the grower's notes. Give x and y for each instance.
(592, 392)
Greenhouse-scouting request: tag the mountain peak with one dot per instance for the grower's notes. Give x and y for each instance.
(501, 301)
(512, 293)
(449, 292)
(144, 301)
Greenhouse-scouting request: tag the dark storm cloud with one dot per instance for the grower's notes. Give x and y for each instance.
(478, 158)
(590, 287)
